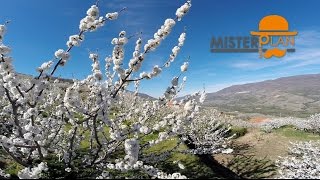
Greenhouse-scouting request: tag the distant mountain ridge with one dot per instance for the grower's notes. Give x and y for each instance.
(290, 96)
(69, 81)
(286, 96)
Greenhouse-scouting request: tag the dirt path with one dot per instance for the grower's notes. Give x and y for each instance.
(261, 144)
(257, 151)
(259, 119)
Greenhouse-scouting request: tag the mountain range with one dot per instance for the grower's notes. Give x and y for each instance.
(297, 96)
(287, 96)
(67, 82)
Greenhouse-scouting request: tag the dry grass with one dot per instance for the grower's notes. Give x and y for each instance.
(256, 152)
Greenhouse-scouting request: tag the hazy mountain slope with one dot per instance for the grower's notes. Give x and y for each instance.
(295, 95)
(67, 82)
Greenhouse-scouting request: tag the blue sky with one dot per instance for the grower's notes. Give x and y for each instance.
(39, 27)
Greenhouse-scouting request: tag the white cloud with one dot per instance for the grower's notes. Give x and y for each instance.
(255, 64)
(307, 53)
(308, 38)
(307, 57)
(134, 17)
(209, 72)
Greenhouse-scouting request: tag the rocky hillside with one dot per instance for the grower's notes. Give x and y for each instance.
(288, 96)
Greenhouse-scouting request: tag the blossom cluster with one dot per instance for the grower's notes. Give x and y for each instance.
(310, 123)
(302, 162)
(47, 117)
(208, 134)
(33, 173)
(3, 174)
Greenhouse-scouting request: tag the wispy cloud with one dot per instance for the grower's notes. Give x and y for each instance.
(253, 64)
(308, 50)
(135, 17)
(217, 87)
(307, 53)
(305, 58)
(203, 71)
(308, 38)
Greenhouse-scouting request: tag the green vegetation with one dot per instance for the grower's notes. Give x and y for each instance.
(246, 166)
(193, 166)
(295, 134)
(250, 167)
(12, 168)
(238, 131)
(266, 110)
